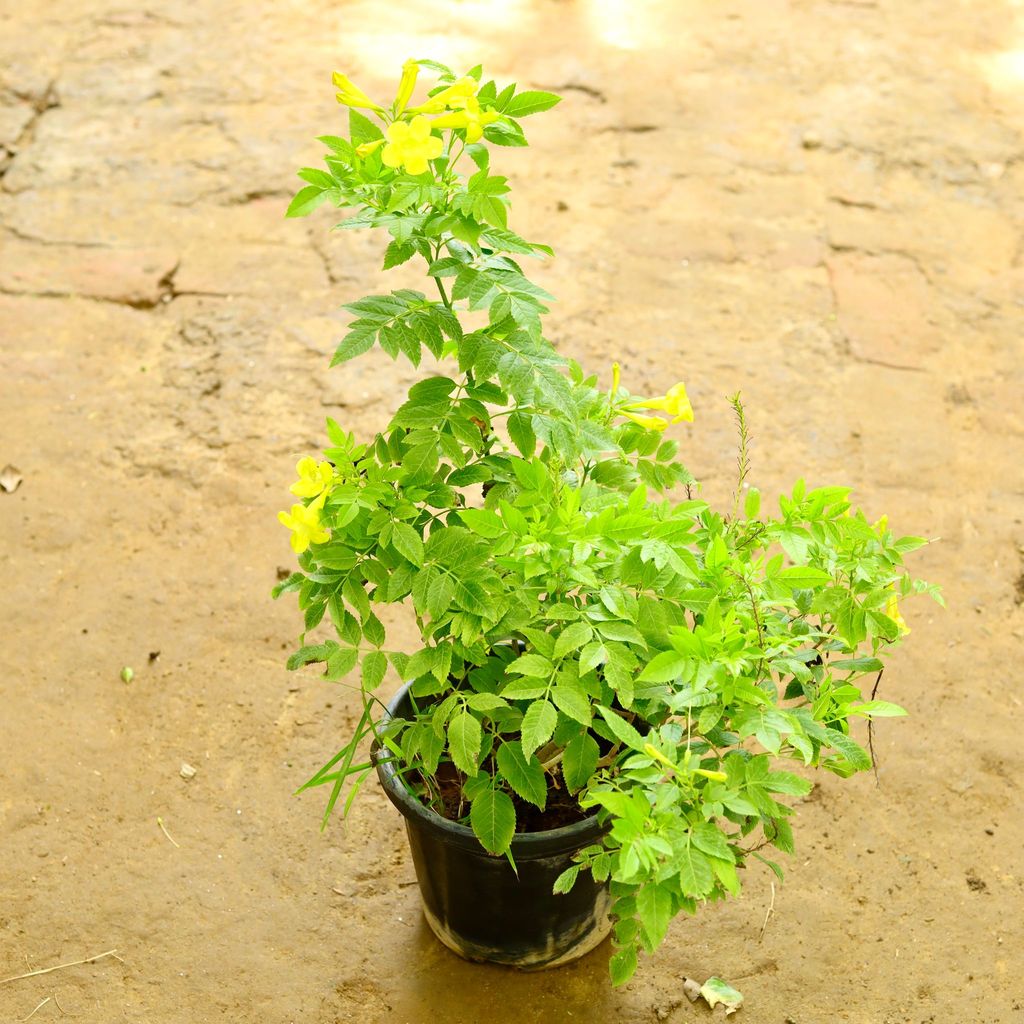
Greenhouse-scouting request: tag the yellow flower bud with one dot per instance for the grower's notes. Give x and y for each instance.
(410, 69)
(351, 95)
(368, 147)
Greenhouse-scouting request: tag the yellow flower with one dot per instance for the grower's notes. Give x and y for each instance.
(411, 145)
(892, 609)
(616, 377)
(368, 147)
(453, 96)
(351, 95)
(410, 69)
(314, 478)
(647, 422)
(676, 403)
(305, 523)
(470, 117)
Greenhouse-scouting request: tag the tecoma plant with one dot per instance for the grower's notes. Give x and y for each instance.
(591, 633)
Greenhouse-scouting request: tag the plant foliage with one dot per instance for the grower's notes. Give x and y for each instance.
(585, 621)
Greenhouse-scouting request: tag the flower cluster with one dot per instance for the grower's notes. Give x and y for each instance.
(410, 143)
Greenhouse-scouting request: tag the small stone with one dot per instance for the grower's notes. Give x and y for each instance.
(10, 478)
(691, 989)
(187, 771)
(811, 140)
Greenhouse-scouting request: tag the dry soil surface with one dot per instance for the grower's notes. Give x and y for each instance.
(819, 203)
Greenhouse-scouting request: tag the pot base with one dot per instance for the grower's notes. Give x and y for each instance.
(592, 933)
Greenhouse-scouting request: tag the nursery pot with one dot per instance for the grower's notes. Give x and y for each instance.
(476, 904)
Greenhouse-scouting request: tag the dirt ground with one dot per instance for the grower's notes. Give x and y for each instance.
(819, 203)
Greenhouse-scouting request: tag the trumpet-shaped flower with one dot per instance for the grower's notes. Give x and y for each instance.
(676, 403)
(616, 378)
(351, 95)
(410, 69)
(314, 478)
(892, 609)
(470, 117)
(410, 145)
(647, 422)
(306, 525)
(454, 96)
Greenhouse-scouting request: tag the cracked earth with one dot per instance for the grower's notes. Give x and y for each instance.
(817, 203)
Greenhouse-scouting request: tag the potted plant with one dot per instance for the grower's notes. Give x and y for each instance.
(609, 672)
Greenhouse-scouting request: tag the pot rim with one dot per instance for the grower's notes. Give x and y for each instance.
(525, 845)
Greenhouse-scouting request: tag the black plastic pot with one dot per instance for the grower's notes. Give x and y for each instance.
(475, 903)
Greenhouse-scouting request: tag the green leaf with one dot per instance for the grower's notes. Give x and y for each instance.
(803, 577)
(538, 725)
(493, 817)
(524, 774)
(523, 689)
(520, 430)
(665, 667)
(464, 738)
(579, 761)
(531, 665)
(420, 462)
(622, 730)
(572, 700)
(654, 908)
(878, 709)
(361, 128)
(854, 753)
(407, 542)
(622, 965)
(375, 665)
(306, 200)
(786, 782)
(532, 101)
(571, 638)
(341, 661)
(695, 875)
(566, 880)
(711, 840)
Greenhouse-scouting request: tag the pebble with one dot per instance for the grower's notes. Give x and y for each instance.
(187, 771)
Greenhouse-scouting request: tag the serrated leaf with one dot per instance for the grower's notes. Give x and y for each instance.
(664, 667)
(854, 753)
(520, 430)
(572, 700)
(524, 774)
(531, 101)
(538, 725)
(306, 200)
(803, 577)
(566, 880)
(571, 638)
(711, 840)
(695, 875)
(493, 818)
(579, 761)
(622, 965)
(532, 665)
(878, 709)
(464, 737)
(407, 542)
(622, 730)
(654, 908)
(375, 665)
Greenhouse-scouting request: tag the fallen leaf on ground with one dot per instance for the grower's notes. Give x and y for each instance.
(10, 478)
(716, 992)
